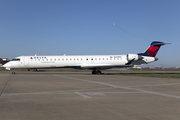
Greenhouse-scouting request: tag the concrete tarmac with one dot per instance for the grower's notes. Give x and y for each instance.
(83, 96)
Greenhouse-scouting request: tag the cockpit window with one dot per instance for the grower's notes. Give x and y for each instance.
(16, 59)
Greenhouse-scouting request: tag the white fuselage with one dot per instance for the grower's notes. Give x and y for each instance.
(89, 61)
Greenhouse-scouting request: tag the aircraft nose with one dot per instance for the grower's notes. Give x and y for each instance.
(4, 65)
(7, 65)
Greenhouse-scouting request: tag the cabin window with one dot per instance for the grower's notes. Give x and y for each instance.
(106, 58)
(99, 58)
(87, 59)
(91, 58)
(81, 59)
(77, 59)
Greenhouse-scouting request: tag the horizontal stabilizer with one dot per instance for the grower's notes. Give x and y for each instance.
(159, 43)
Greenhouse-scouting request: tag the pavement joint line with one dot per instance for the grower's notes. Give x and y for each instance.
(121, 87)
(54, 92)
(113, 92)
(10, 94)
(155, 85)
(37, 93)
(5, 85)
(95, 94)
(82, 95)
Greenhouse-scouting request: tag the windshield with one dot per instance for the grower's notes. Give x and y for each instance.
(16, 59)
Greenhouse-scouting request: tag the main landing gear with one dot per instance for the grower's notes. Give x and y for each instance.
(96, 72)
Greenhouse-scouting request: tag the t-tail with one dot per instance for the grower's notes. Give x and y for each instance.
(153, 49)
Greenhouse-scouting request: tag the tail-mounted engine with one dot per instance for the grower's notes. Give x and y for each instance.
(134, 57)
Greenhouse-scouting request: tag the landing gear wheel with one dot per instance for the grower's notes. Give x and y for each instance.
(35, 70)
(94, 72)
(98, 72)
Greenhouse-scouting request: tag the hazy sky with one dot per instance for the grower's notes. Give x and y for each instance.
(86, 27)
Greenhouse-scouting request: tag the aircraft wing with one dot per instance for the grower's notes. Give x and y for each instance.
(103, 66)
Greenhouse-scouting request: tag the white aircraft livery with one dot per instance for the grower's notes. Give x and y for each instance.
(94, 62)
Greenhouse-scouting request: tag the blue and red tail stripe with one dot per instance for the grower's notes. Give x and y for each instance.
(153, 49)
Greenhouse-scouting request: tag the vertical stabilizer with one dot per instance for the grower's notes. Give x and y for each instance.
(153, 49)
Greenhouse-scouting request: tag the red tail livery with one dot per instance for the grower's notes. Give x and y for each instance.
(153, 49)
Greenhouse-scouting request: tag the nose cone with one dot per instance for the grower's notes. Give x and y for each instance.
(7, 65)
(156, 59)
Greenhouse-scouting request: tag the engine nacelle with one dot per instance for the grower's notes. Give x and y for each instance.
(134, 56)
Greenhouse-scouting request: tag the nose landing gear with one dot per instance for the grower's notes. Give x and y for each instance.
(13, 72)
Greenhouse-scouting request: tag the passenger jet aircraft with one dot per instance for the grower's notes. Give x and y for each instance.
(158, 67)
(94, 62)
